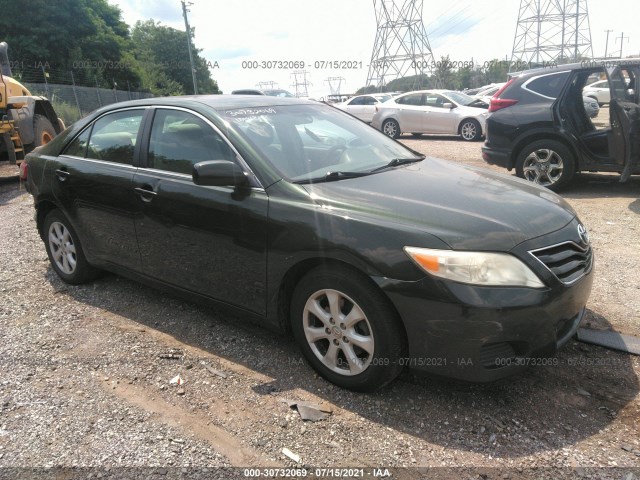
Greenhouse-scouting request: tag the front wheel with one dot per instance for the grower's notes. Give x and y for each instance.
(391, 128)
(347, 329)
(470, 130)
(64, 250)
(548, 163)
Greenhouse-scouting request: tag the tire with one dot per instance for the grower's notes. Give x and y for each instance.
(374, 340)
(470, 130)
(43, 131)
(65, 251)
(391, 128)
(548, 163)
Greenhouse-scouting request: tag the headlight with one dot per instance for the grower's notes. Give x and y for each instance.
(478, 268)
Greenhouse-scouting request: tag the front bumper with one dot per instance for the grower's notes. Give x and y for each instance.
(486, 333)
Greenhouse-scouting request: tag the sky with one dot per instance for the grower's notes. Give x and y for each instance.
(235, 31)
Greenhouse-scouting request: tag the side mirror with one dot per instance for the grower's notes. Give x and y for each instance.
(218, 173)
(447, 105)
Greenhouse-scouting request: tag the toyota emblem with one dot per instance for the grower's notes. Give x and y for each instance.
(583, 234)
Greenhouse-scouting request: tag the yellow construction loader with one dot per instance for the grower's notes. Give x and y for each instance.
(26, 121)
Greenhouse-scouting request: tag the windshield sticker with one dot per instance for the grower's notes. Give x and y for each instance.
(250, 112)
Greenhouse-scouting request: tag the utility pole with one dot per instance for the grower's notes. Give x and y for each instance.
(606, 48)
(622, 39)
(301, 84)
(188, 28)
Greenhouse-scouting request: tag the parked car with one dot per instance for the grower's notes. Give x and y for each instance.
(434, 112)
(310, 221)
(276, 92)
(591, 107)
(364, 106)
(599, 91)
(486, 94)
(539, 126)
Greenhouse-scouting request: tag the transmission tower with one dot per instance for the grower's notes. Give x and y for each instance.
(300, 83)
(551, 31)
(268, 85)
(334, 84)
(401, 47)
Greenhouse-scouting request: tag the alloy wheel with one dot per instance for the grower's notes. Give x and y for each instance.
(62, 248)
(338, 332)
(469, 131)
(544, 167)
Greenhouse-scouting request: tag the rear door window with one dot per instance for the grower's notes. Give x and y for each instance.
(414, 99)
(549, 85)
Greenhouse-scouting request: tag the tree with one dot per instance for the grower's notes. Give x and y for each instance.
(163, 55)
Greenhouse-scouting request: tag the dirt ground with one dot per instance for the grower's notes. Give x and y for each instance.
(86, 377)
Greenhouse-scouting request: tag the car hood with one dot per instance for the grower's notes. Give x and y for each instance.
(467, 208)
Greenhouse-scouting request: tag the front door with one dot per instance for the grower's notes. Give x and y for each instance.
(624, 139)
(208, 240)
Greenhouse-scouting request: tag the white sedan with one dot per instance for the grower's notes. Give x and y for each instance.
(364, 106)
(434, 112)
(599, 91)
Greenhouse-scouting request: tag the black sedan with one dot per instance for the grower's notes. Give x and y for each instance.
(312, 222)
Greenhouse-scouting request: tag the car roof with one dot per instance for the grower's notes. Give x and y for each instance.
(217, 102)
(584, 65)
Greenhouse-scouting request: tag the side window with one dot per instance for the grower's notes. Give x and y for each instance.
(415, 99)
(433, 100)
(369, 101)
(180, 139)
(113, 137)
(357, 101)
(78, 148)
(548, 85)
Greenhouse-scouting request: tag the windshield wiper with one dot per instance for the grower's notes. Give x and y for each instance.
(396, 162)
(333, 177)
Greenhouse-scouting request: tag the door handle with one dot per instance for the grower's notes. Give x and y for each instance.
(62, 175)
(145, 194)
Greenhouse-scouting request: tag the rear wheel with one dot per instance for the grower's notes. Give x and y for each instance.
(64, 250)
(391, 128)
(43, 131)
(347, 329)
(547, 163)
(470, 130)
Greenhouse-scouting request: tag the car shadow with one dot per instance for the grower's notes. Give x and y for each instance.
(598, 185)
(566, 400)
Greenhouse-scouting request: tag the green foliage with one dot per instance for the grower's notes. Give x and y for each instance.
(163, 54)
(91, 38)
(67, 112)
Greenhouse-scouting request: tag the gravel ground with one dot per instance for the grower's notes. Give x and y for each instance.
(87, 370)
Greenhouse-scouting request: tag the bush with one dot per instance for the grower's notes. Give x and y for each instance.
(67, 112)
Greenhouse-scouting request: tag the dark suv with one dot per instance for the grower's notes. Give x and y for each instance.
(538, 124)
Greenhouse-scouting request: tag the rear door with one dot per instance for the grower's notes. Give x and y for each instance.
(93, 185)
(411, 113)
(208, 240)
(624, 139)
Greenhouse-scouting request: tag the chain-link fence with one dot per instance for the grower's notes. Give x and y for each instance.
(73, 93)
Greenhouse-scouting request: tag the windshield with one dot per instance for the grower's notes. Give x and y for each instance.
(460, 98)
(306, 142)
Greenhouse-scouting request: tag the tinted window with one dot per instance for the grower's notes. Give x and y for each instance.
(179, 140)
(369, 101)
(357, 101)
(415, 99)
(548, 85)
(78, 148)
(113, 137)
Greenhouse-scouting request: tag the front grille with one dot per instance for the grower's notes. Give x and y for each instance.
(568, 261)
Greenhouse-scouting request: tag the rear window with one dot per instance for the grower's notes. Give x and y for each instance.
(548, 85)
